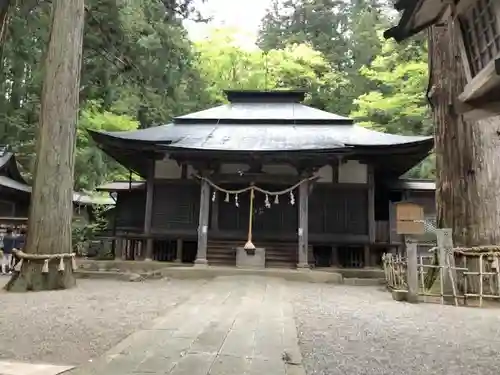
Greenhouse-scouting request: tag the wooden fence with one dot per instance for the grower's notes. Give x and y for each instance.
(459, 276)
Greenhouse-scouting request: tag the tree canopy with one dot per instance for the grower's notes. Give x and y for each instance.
(140, 69)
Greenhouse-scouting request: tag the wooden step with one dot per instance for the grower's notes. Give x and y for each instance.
(220, 253)
(278, 254)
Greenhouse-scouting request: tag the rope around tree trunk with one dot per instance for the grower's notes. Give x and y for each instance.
(46, 258)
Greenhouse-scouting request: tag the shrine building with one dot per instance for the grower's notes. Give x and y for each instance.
(264, 174)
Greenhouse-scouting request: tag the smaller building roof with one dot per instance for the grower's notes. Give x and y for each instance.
(416, 16)
(78, 198)
(11, 178)
(121, 186)
(413, 184)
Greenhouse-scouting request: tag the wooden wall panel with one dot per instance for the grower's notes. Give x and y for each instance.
(278, 218)
(338, 210)
(130, 209)
(176, 206)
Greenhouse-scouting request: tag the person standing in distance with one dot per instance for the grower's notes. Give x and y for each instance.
(8, 245)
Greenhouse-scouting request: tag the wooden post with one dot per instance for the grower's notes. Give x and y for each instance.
(201, 253)
(303, 224)
(366, 255)
(371, 205)
(114, 218)
(445, 248)
(178, 253)
(148, 215)
(412, 270)
(334, 260)
(214, 214)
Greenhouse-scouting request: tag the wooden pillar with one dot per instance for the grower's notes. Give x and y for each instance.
(371, 205)
(334, 260)
(201, 253)
(412, 270)
(214, 224)
(114, 218)
(303, 225)
(447, 260)
(367, 255)
(148, 215)
(178, 253)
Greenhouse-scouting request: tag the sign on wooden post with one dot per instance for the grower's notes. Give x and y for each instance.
(409, 218)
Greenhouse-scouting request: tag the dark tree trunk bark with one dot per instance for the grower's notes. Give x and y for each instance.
(467, 156)
(51, 208)
(467, 152)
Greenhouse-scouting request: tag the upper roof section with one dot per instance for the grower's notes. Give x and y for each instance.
(416, 16)
(8, 165)
(274, 121)
(261, 122)
(263, 107)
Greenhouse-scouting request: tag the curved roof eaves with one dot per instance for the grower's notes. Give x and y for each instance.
(260, 137)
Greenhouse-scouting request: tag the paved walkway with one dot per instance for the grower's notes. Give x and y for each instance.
(18, 368)
(232, 325)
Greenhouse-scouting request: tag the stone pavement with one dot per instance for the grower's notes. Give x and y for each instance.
(232, 325)
(18, 368)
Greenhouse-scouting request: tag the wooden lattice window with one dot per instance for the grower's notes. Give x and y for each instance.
(481, 33)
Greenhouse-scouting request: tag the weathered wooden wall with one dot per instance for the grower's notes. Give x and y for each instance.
(334, 210)
(175, 205)
(130, 210)
(339, 209)
(426, 199)
(13, 204)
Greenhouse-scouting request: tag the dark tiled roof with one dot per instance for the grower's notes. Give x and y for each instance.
(264, 137)
(416, 16)
(265, 122)
(270, 121)
(79, 198)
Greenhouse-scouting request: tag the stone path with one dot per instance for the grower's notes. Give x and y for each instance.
(17, 368)
(231, 325)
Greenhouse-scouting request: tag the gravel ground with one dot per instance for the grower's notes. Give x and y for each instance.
(361, 330)
(343, 330)
(72, 326)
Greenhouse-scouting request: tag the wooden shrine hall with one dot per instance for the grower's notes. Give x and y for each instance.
(263, 181)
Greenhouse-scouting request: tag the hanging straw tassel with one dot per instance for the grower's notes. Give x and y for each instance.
(18, 266)
(61, 264)
(45, 268)
(227, 198)
(276, 200)
(73, 263)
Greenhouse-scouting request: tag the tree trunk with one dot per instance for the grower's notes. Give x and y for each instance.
(467, 156)
(51, 208)
(467, 152)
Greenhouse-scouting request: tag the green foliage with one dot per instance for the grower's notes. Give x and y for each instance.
(86, 228)
(92, 167)
(139, 69)
(398, 104)
(138, 65)
(296, 66)
(345, 32)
